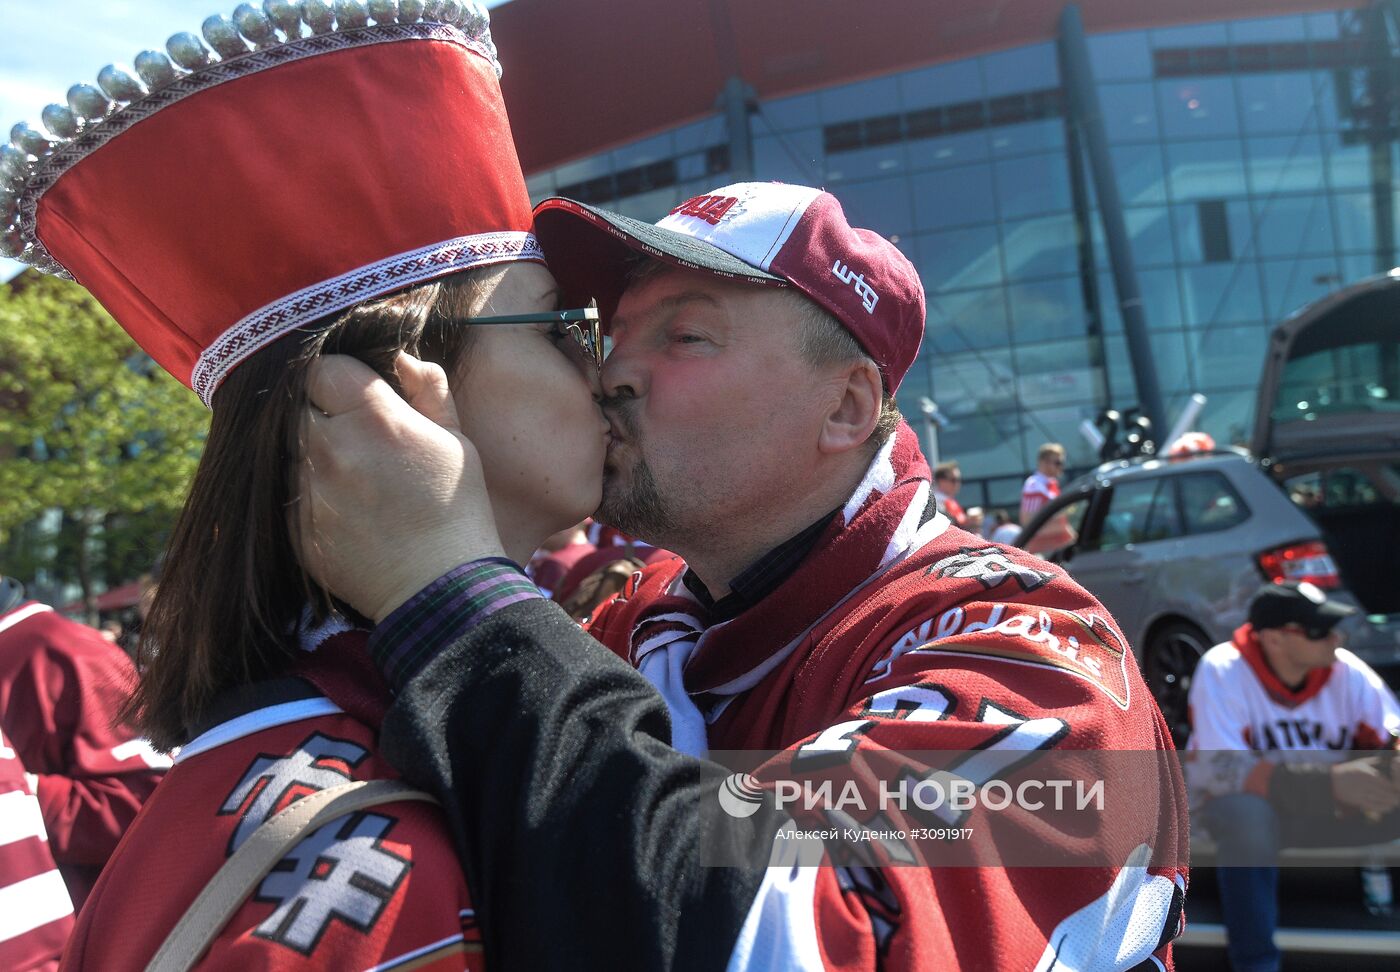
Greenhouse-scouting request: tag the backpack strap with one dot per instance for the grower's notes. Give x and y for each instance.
(248, 865)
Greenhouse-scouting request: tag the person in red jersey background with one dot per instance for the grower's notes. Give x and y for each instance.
(36, 913)
(61, 687)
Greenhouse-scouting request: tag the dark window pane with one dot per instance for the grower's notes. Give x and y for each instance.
(1210, 503)
(953, 197)
(1190, 233)
(1140, 511)
(1215, 230)
(1198, 107)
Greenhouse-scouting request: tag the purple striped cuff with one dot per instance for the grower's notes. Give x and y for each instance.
(442, 612)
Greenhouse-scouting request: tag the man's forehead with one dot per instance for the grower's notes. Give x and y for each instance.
(665, 292)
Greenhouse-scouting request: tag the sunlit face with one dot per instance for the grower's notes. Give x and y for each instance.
(714, 411)
(525, 397)
(1310, 653)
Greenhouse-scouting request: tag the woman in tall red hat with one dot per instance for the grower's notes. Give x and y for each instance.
(325, 179)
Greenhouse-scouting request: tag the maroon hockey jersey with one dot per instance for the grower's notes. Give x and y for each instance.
(899, 633)
(378, 889)
(61, 684)
(36, 914)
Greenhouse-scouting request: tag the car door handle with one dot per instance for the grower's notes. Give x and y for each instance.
(1134, 576)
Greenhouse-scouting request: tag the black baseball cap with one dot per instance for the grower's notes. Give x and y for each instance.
(1300, 603)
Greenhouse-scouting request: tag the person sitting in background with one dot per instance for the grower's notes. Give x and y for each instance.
(1004, 529)
(62, 685)
(1274, 713)
(1043, 485)
(976, 520)
(556, 555)
(947, 480)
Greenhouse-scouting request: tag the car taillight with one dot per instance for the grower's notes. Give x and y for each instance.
(1301, 562)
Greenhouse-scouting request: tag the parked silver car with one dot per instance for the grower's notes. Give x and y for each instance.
(1175, 548)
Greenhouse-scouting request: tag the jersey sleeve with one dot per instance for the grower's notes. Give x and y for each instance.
(1378, 722)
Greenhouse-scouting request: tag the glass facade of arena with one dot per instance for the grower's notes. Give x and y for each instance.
(1257, 161)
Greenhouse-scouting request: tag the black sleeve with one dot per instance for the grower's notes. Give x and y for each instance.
(583, 833)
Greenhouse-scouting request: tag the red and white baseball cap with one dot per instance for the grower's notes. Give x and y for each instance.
(316, 158)
(766, 233)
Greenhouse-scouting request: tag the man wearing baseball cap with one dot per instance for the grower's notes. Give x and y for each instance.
(821, 603)
(1274, 713)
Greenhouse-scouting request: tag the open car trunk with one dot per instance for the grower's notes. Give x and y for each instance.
(1327, 429)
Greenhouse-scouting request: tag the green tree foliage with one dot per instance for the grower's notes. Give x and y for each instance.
(91, 427)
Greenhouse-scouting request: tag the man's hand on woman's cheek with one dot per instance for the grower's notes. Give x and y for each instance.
(392, 493)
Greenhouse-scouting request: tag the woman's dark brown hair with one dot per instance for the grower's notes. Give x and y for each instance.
(232, 591)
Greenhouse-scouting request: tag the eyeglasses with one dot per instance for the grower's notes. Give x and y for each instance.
(1312, 634)
(581, 324)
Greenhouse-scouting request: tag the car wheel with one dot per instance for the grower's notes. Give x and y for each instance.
(1168, 664)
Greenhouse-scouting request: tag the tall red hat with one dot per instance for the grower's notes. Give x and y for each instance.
(320, 156)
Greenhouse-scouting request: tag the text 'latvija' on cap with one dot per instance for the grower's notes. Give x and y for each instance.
(320, 155)
(756, 232)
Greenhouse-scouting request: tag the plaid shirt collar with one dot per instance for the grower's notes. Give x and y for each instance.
(760, 578)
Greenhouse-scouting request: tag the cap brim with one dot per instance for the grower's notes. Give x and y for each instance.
(591, 252)
(1331, 613)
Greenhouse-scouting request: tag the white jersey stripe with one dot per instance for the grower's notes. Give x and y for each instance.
(780, 931)
(35, 901)
(257, 721)
(20, 817)
(23, 614)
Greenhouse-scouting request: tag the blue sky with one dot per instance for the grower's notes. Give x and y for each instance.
(47, 48)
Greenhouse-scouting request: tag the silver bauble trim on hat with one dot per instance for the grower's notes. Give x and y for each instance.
(251, 40)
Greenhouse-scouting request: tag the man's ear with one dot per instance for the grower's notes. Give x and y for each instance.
(852, 418)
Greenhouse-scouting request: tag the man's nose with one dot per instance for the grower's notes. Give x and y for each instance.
(623, 375)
